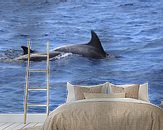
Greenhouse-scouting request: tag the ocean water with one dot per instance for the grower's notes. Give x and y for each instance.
(132, 30)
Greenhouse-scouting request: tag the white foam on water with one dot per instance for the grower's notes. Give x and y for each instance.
(63, 55)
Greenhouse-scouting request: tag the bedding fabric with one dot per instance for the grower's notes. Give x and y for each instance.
(132, 91)
(143, 92)
(102, 95)
(105, 114)
(76, 92)
(137, 91)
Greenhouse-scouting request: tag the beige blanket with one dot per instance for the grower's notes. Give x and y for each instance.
(105, 114)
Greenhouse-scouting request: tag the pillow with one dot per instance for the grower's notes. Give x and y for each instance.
(76, 92)
(71, 93)
(106, 88)
(143, 92)
(102, 95)
(130, 90)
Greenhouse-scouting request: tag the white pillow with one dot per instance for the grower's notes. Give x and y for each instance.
(143, 92)
(71, 90)
(106, 89)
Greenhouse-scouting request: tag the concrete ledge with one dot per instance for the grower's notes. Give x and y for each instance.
(20, 118)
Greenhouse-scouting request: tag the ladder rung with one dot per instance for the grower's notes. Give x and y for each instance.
(42, 55)
(36, 105)
(37, 89)
(33, 70)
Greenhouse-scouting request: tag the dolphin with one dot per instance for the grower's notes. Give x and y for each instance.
(37, 56)
(92, 49)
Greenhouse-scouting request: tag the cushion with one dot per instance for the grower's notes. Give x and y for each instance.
(79, 91)
(71, 92)
(102, 95)
(143, 92)
(76, 92)
(130, 90)
(106, 88)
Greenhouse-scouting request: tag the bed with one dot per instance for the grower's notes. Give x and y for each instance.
(106, 107)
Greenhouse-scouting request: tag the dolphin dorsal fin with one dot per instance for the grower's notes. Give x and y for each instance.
(25, 50)
(95, 42)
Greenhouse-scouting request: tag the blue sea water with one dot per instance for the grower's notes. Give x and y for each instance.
(132, 30)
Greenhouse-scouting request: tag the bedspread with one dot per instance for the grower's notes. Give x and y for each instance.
(106, 114)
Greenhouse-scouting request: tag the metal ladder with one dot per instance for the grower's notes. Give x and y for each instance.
(27, 88)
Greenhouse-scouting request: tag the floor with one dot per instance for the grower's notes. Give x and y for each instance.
(17, 126)
(16, 121)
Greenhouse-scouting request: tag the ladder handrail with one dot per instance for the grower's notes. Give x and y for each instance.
(27, 83)
(28, 71)
(47, 78)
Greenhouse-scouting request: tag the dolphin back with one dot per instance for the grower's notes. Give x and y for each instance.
(92, 49)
